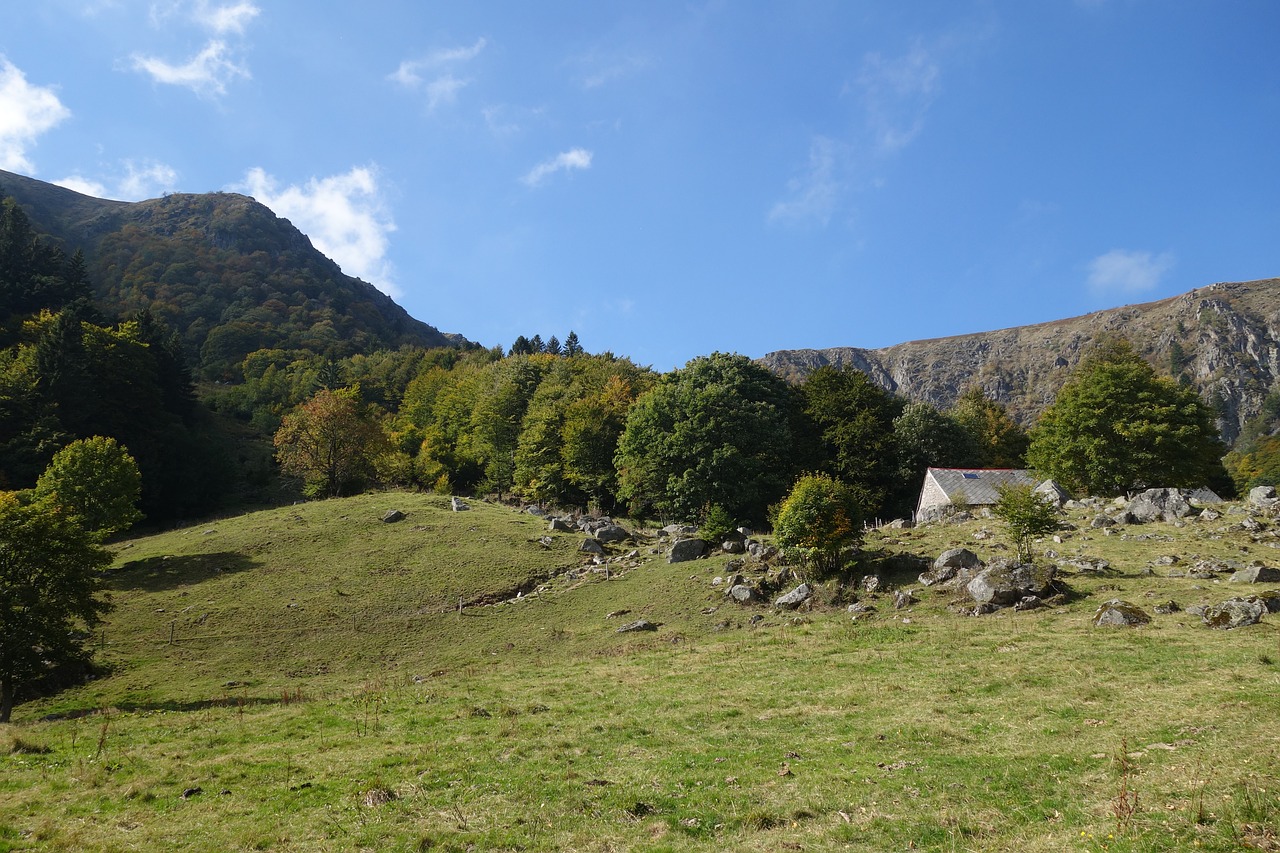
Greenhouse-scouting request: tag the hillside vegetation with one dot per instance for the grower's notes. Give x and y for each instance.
(303, 678)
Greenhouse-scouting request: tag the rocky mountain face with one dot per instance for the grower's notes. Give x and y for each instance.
(1222, 339)
(223, 270)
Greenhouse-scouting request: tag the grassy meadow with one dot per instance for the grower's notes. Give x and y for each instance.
(310, 678)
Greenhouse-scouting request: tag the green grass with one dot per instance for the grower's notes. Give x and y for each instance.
(533, 725)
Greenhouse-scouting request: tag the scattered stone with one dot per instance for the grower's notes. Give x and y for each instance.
(1004, 584)
(761, 550)
(860, 608)
(1159, 505)
(1209, 515)
(638, 625)
(591, 546)
(684, 550)
(1235, 613)
(1085, 565)
(458, 504)
(1167, 560)
(1257, 574)
(756, 619)
(1120, 614)
(871, 583)
(1031, 602)
(615, 614)
(1167, 608)
(733, 546)
(392, 515)
(680, 530)
(793, 599)
(1263, 496)
(560, 525)
(902, 599)
(192, 792)
(611, 533)
(742, 593)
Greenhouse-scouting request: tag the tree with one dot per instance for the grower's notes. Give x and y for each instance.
(553, 346)
(571, 345)
(97, 480)
(925, 438)
(716, 432)
(1000, 441)
(854, 417)
(818, 521)
(1116, 426)
(331, 441)
(1027, 515)
(50, 580)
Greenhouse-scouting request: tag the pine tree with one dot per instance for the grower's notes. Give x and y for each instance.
(571, 345)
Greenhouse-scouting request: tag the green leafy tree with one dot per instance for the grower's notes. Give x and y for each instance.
(1000, 442)
(819, 520)
(332, 441)
(854, 418)
(1027, 515)
(716, 432)
(97, 480)
(1116, 426)
(50, 592)
(924, 437)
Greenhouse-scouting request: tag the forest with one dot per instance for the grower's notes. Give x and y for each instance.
(545, 422)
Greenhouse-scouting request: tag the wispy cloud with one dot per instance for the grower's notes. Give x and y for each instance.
(896, 94)
(344, 215)
(813, 195)
(1124, 272)
(575, 158)
(218, 63)
(434, 73)
(139, 180)
(601, 68)
(26, 112)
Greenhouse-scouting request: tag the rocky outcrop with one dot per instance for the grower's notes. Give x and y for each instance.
(1222, 338)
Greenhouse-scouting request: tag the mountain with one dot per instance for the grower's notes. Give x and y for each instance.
(1222, 339)
(223, 270)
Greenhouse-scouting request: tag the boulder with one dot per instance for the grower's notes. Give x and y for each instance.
(902, 599)
(1257, 574)
(679, 530)
(761, 550)
(950, 564)
(683, 550)
(1235, 613)
(392, 515)
(870, 583)
(1262, 495)
(860, 608)
(793, 599)
(638, 625)
(1100, 521)
(1159, 505)
(591, 546)
(610, 533)
(458, 504)
(1167, 608)
(1053, 493)
(1204, 496)
(1031, 602)
(1117, 613)
(535, 510)
(742, 593)
(1004, 584)
(732, 546)
(559, 525)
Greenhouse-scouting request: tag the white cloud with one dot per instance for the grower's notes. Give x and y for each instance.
(1125, 272)
(139, 181)
(576, 158)
(226, 19)
(208, 72)
(814, 194)
(344, 215)
(443, 87)
(26, 112)
(83, 185)
(218, 63)
(896, 94)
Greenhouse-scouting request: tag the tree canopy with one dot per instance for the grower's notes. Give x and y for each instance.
(331, 441)
(50, 585)
(96, 479)
(1116, 426)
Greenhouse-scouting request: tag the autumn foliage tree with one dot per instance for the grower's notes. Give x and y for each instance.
(331, 442)
(819, 520)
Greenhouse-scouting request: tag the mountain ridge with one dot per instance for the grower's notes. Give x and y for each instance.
(1220, 339)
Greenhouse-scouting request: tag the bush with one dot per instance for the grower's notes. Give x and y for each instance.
(818, 521)
(1027, 515)
(717, 524)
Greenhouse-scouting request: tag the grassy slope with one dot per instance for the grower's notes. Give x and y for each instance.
(318, 655)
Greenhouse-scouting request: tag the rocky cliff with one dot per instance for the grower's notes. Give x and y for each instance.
(1221, 339)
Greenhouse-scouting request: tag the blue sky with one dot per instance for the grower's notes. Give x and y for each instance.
(671, 179)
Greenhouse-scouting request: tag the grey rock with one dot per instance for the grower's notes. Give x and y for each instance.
(1262, 495)
(793, 599)
(957, 558)
(1257, 574)
(560, 525)
(1203, 496)
(638, 625)
(1031, 602)
(733, 546)
(1004, 584)
(1209, 515)
(1235, 613)
(1053, 493)
(902, 599)
(458, 504)
(761, 550)
(742, 593)
(870, 583)
(392, 515)
(680, 530)
(1102, 521)
(591, 546)
(1167, 608)
(610, 533)
(1159, 505)
(860, 608)
(1120, 614)
(535, 510)
(683, 550)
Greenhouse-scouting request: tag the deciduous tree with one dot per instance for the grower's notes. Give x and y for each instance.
(97, 480)
(818, 521)
(331, 441)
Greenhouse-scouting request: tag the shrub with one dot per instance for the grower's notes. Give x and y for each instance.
(1027, 515)
(819, 519)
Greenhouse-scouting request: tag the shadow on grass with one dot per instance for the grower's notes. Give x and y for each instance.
(136, 706)
(158, 573)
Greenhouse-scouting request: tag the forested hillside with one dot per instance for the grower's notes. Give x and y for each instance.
(228, 275)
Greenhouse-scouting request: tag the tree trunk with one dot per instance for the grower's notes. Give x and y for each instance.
(6, 698)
